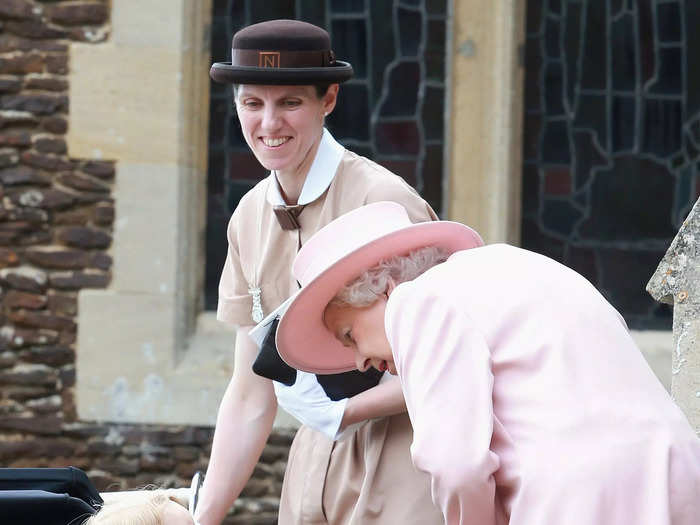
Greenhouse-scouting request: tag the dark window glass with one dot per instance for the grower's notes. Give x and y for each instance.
(344, 6)
(612, 159)
(349, 39)
(410, 31)
(392, 111)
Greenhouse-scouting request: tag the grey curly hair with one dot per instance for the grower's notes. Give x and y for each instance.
(365, 289)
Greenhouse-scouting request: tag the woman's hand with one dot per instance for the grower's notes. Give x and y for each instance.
(385, 399)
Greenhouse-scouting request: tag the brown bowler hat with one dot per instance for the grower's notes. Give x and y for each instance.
(281, 52)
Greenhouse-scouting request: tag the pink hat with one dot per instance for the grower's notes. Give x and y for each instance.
(335, 255)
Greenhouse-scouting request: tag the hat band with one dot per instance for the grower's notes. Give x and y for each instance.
(282, 59)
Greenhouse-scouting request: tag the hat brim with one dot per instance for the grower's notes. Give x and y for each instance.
(302, 339)
(227, 73)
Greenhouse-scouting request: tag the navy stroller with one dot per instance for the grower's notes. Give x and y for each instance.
(46, 496)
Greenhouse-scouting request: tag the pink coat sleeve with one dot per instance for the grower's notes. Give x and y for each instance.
(444, 366)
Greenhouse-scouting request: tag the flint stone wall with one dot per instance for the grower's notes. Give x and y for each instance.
(56, 218)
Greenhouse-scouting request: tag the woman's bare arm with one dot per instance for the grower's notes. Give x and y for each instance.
(243, 424)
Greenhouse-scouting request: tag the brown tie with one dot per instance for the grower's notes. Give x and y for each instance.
(288, 216)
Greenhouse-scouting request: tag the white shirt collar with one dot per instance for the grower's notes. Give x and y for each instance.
(320, 176)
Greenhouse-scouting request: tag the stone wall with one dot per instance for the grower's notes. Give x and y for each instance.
(56, 222)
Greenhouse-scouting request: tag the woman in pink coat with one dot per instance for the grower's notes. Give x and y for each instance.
(531, 404)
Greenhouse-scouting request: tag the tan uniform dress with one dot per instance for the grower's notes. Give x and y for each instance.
(367, 478)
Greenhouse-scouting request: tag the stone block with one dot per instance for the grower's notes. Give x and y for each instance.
(12, 43)
(37, 104)
(22, 63)
(15, 138)
(46, 82)
(22, 393)
(677, 281)
(35, 28)
(16, 9)
(81, 182)
(78, 13)
(10, 118)
(24, 278)
(46, 198)
(50, 355)
(184, 453)
(57, 125)
(57, 64)
(31, 301)
(72, 216)
(144, 89)
(34, 216)
(7, 359)
(158, 464)
(67, 374)
(10, 84)
(102, 169)
(43, 424)
(101, 261)
(23, 175)
(145, 250)
(8, 258)
(78, 280)
(45, 405)
(63, 304)
(57, 258)
(46, 161)
(67, 338)
(104, 214)
(45, 144)
(272, 453)
(32, 319)
(82, 237)
(86, 197)
(40, 236)
(19, 338)
(118, 466)
(29, 375)
(103, 481)
(8, 157)
(10, 406)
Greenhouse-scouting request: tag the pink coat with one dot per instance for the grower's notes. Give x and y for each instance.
(531, 404)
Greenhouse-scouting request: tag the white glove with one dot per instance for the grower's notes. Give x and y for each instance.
(308, 402)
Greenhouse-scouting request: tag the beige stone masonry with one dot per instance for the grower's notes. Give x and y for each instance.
(140, 99)
(485, 117)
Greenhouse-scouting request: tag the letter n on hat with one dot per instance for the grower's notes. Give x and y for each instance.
(268, 59)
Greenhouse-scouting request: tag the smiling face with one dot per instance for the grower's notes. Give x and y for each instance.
(283, 124)
(361, 330)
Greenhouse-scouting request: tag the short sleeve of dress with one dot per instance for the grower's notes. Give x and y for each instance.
(397, 190)
(235, 303)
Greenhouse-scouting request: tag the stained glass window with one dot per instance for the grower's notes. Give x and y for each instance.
(611, 139)
(392, 111)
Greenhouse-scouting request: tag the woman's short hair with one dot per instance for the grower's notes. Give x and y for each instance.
(321, 89)
(365, 290)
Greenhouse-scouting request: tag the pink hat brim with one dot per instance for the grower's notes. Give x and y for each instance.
(302, 339)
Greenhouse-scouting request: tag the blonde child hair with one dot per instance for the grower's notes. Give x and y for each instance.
(134, 508)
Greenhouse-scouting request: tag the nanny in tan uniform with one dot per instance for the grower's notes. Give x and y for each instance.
(350, 462)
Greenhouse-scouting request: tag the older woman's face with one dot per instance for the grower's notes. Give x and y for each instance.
(362, 331)
(282, 124)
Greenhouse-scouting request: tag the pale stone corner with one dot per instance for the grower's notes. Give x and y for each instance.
(141, 99)
(677, 281)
